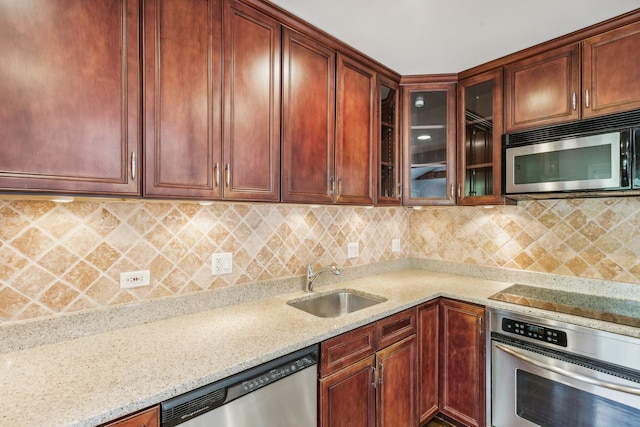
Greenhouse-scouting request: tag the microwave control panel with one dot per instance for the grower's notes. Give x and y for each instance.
(536, 332)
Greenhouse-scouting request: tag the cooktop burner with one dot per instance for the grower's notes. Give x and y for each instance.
(623, 312)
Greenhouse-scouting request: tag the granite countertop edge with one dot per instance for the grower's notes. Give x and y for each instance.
(94, 379)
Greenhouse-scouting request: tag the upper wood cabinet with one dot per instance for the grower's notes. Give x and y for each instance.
(69, 106)
(251, 114)
(389, 183)
(182, 75)
(462, 362)
(479, 139)
(610, 72)
(308, 119)
(543, 89)
(429, 145)
(563, 85)
(354, 158)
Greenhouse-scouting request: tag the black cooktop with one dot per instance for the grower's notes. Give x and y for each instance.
(620, 311)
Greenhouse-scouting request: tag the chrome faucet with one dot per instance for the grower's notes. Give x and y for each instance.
(312, 276)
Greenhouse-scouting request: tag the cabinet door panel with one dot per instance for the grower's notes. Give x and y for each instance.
(397, 385)
(354, 149)
(462, 383)
(544, 89)
(182, 98)
(251, 104)
(308, 119)
(347, 398)
(611, 72)
(69, 83)
(147, 418)
(428, 364)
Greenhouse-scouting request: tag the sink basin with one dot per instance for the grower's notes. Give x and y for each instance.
(336, 303)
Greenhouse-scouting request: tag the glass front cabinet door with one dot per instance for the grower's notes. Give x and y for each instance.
(429, 144)
(389, 187)
(479, 135)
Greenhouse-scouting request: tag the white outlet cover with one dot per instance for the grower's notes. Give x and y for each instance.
(353, 250)
(135, 279)
(221, 263)
(395, 245)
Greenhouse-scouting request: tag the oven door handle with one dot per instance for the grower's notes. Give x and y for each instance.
(564, 372)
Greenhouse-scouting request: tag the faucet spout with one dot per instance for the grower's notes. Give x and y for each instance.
(312, 276)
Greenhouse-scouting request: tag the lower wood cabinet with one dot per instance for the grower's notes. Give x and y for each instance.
(366, 383)
(462, 362)
(428, 360)
(146, 418)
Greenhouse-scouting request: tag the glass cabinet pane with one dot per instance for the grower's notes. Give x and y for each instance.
(428, 144)
(388, 148)
(478, 116)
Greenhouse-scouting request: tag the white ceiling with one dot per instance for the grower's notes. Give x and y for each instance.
(449, 36)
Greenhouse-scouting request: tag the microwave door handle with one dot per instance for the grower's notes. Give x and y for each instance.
(564, 372)
(625, 155)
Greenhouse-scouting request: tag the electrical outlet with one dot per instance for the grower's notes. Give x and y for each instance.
(352, 250)
(221, 263)
(135, 279)
(395, 245)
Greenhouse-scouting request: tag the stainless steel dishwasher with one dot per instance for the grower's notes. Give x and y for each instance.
(279, 393)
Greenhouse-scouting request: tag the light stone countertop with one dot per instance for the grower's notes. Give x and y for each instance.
(94, 379)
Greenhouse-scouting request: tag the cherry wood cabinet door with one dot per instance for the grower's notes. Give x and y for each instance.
(354, 172)
(251, 114)
(428, 364)
(182, 125)
(397, 378)
(347, 397)
(308, 74)
(69, 107)
(543, 89)
(610, 72)
(462, 365)
(147, 418)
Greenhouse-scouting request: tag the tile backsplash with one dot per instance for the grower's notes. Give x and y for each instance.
(60, 258)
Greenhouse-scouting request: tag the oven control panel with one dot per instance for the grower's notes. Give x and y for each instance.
(536, 332)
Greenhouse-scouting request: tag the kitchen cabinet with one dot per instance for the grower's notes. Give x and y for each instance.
(182, 75)
(353, 179)
(610, 73)
(198, 144)
(479, 139)
(368, 376)
(462, 362)
(251, 112)
(429, 144)
(69, 107)
(428, 335)
(146, 418)
(308, 125)
(389, 173)
(564, 84)
(544, 89)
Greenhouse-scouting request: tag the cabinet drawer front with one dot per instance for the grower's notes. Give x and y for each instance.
(394, 328)
(346, 349)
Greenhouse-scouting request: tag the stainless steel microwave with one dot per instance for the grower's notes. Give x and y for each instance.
(593, 164)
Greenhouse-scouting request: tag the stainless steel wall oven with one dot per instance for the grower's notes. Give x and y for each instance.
(552, 374)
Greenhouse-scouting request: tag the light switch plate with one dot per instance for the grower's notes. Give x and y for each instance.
(221, 263)
(352, 250)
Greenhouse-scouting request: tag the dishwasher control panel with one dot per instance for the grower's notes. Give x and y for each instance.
(536, 332)
(276, 373)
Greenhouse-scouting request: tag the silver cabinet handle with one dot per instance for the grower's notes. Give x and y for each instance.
(227, 169)
(586, 98)
(332, 186)
(399, 190)
(133, 165)
(452, 192)
(459, 190)
(574, 101)
(373, 374)
(339, 186)
(381, 371)
(216, 170)
(563, 372)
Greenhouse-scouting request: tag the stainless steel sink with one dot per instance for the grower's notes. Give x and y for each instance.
(336, 303)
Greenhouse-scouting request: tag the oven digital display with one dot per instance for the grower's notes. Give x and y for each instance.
(536, 332)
